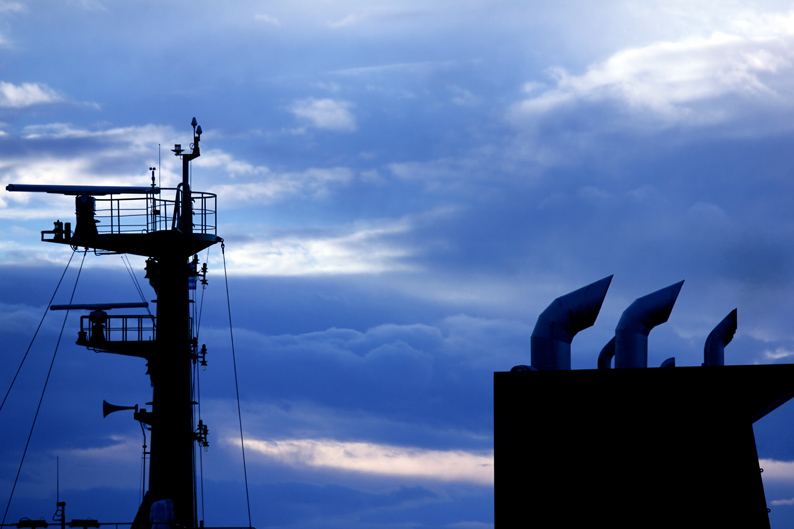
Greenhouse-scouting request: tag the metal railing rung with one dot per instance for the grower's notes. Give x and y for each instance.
(150, 214)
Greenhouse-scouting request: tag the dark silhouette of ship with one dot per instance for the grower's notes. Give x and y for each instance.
(630, 447)
(169, 227)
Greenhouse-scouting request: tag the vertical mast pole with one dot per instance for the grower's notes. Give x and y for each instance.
(172, 468)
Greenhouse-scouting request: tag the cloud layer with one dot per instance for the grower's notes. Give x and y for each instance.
(402, 189)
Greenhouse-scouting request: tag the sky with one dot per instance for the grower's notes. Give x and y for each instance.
(403, 187)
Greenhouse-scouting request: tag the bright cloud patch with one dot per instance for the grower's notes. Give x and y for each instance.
(325, 114)
(44, 170)
(452, 465)
(26, 94)
(313, 182)
(668, 78)
(360, 252)
(349, 20)
(777, 470)
(778, 354)
(268, 19)
(11, 7)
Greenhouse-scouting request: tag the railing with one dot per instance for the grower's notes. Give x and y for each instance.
(137, 328)
(100, 327)
(27, 524)
(150, 213)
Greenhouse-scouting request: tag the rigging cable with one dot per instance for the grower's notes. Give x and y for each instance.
(41, 398)
(137, 285)
(37, 329)
(236, 385)
(143, 465)
(135, 282)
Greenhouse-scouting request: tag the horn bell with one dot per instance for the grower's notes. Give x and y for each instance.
(108, 408)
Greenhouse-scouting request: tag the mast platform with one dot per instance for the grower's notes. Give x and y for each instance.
(140, 225)
(128, 335)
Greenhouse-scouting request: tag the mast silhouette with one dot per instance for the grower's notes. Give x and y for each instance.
(170, 234)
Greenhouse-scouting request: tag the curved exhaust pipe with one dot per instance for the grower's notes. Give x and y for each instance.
(631, 334)
(606, 355)
(559, 323)
(720, 336)
(670, 362)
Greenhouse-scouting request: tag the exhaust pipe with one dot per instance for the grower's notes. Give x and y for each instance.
(606, 355)
(558, 324)
(670, 362)
(714, 350)
(631, 334)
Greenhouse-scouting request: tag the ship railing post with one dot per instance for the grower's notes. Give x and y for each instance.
(187, 213)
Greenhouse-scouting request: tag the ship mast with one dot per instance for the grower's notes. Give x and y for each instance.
(172, 468)
(170, 234)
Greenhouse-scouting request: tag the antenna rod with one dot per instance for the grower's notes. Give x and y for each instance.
(83, 190)
(101, 306)
(60, 506)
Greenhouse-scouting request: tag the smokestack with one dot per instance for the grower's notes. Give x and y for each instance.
(714, 351)
(559, 323)
(631, 334)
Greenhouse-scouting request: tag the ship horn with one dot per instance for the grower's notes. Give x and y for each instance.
(108, 408)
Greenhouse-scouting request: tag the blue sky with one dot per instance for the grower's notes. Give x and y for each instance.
(402, 189)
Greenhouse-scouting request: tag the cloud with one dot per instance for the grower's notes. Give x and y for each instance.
(314, 182)
(218, 159)
(15, 317)
(131, 137)
(99, 158)
(42, 170)
(115, 463)
(61, 153)
(371, 458)
(380, 15)
(382, 383)
(27, 94)
(268, 19)
(13, 7)
(434, 170)
(91, 5)
(404, 68)
(673, 81)
(778, 354)
(325, 114)
(363, 250)
(467, 172)
(463, 97)
(779, 471)
(348, 20)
